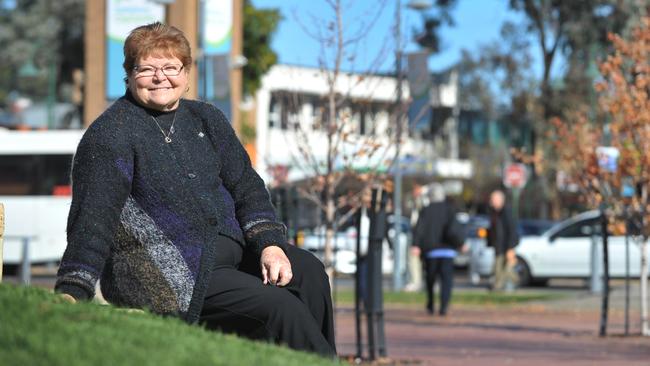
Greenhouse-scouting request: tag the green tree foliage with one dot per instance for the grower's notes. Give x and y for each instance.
(496, 78)
(439, 15)
(499, 77)
(578, 30)
(498, 85)
(39, 33)
(259, 26)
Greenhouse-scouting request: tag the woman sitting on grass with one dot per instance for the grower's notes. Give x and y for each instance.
(169, 214)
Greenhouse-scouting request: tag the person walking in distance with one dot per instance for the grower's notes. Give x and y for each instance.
(502, 236)
(436, 238)
(419, 200)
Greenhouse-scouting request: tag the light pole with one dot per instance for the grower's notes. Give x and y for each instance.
(399, 260)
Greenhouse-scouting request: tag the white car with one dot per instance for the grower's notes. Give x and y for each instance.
(344, 248)
(345, 244)
(564, 251)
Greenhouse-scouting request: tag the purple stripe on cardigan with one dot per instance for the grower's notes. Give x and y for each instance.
(178, 230)
(231, 221)
(125, 168)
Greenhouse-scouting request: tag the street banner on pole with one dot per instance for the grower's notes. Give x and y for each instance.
(217, 27)
(419, 79)
(121, 17)
(216, 43)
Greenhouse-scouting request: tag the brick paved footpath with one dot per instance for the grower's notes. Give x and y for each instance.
(560, 332)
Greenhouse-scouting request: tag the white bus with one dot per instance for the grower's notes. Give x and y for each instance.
(35, 190)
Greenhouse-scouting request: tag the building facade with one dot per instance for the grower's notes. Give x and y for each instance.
(291, 113)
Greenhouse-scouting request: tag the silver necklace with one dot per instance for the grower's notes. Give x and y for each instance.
(167, 135)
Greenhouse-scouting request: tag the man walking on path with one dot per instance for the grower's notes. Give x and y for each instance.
(436, 238)
(502, 236)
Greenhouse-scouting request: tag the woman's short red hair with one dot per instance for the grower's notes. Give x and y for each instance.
(156, 39)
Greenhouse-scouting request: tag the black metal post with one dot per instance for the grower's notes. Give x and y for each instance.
(375, 306)
(370, 323)
(295, 212)
(605, 302)
(357, 288)
(627, 273)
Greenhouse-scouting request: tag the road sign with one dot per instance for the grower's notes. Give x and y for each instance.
(607, 158)
(515, 175)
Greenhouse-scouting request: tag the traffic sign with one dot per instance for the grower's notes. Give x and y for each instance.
(515, 175)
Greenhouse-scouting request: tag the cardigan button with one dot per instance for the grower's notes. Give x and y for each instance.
(191, 175)
(213, 221)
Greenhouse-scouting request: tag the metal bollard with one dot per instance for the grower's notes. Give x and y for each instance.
(596, 266)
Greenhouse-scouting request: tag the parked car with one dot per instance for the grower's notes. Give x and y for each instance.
(475, 238)
(531, 227)
(345, 244)
(475, 232)
(564, 251)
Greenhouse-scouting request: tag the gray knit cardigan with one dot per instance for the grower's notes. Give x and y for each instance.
(145, 213)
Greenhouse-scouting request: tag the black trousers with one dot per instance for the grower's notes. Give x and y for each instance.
(443, 268)
(298, 315)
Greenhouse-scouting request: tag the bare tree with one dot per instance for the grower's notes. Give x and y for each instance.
(352, 156)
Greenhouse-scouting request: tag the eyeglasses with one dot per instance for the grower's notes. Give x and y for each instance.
(149, 70)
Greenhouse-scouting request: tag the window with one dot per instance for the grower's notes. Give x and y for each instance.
(284, 110)
(368, 117)
(34, 175)
(583, 229)
(275, 110)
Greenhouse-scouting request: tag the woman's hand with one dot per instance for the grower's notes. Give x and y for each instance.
(276, 268)
(67, 298)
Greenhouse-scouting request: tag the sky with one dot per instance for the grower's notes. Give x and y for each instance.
(476, 22)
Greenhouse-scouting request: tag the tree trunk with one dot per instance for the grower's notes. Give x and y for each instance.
(329, 240)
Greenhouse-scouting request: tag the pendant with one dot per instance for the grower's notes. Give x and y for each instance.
(168, 139)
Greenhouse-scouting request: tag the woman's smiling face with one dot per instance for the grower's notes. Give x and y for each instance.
(158, 91)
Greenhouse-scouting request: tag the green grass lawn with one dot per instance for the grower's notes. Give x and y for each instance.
(36, 328)
(458, 298)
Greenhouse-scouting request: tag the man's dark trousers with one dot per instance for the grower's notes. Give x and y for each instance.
(444, 268)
